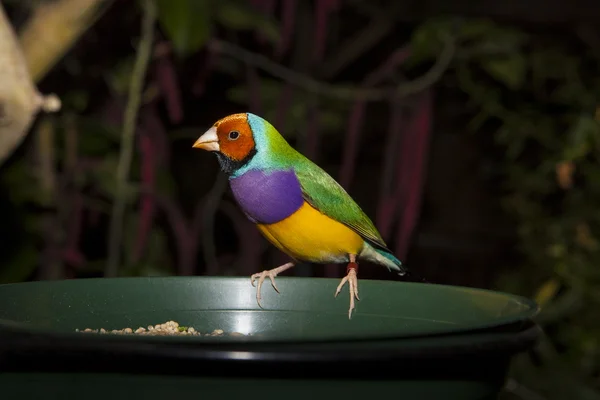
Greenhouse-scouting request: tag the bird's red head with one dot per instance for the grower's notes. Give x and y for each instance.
(230, 136)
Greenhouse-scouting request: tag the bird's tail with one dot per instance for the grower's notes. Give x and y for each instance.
(395, 263)
(384, 258)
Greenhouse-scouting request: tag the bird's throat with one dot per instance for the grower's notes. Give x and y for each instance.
(229, 166)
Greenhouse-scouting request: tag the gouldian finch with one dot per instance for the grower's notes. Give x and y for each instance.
(295, 204)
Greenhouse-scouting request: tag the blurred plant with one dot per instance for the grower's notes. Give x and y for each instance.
(541, 100)
(65, 186)
(73, 187)
(20, 100)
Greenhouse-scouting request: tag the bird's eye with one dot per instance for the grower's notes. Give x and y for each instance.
(233, 135)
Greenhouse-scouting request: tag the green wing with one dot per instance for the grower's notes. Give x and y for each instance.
(321, 191)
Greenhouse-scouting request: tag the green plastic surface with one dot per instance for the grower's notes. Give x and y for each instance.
(304, 310)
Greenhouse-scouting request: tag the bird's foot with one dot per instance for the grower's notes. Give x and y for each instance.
(261, 276)
(352, 280)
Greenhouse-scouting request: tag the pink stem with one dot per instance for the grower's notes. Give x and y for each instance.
(324, 9)
(154, 151)
(413, 191)
(167, 80)
(387, 205)
(404, 169)
(210, 58)
(147, 205)
(154, 127)
(71, 254)
(351, 146)
(357, 114)
(288, 17)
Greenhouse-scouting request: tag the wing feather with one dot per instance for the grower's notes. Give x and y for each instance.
(322, 192)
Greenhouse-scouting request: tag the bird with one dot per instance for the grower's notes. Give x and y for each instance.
(297, 206)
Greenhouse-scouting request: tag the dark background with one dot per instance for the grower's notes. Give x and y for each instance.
(477, 158)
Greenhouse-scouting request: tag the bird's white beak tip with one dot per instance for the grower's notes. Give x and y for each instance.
(209, 141)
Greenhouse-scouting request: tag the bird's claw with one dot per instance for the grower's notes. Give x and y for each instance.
(261, 276)
(352, 280)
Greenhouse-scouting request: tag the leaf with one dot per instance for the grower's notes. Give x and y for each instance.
(583, 134)
(562, 307)
(187, 23)
(509, 70)
(547, 291)
(425, 43)
(239, 15)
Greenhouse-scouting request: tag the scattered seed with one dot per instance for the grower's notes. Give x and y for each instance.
(169, 328)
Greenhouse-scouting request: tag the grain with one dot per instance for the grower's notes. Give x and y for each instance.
(169, 328)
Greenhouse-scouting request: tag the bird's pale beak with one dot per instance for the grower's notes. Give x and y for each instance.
(208, 141)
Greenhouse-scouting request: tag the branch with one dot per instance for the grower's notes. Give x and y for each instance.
(44, 39)
(357, 45)
(336, 91)
(357, 114)
(127, 138)
(53, 29)
(20, 100)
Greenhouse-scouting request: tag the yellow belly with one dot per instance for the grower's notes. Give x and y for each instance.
(309, 235)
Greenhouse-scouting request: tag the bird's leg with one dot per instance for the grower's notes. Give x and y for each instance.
(272, 273)
(351, 278)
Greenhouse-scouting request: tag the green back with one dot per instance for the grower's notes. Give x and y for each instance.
(319, 189)
(326, 195)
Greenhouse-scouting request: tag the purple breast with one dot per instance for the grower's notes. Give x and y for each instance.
(267, 197)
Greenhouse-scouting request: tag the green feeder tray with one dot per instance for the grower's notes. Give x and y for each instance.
(405, 340)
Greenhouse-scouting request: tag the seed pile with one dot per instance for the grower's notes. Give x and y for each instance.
(170, 328)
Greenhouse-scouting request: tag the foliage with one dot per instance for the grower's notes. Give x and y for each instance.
(188, 23)
(537, 97)
(84, 149)
(540, 100)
